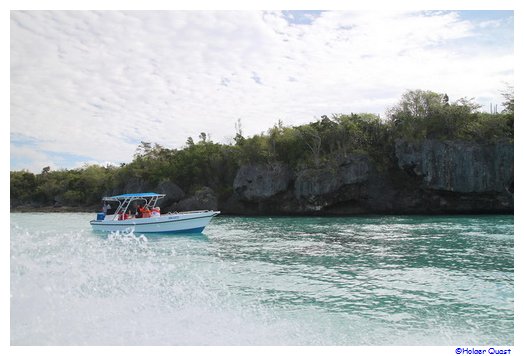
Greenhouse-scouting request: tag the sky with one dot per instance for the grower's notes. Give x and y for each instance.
(86, 87)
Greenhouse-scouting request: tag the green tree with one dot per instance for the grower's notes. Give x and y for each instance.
(426, 114)
(312, 138)
(509, 100)
(22, 187)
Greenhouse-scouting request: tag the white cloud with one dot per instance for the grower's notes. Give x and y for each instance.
(490, 23)
(32, 160)
(94, 84)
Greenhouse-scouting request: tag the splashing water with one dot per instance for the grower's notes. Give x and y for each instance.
(264, 281)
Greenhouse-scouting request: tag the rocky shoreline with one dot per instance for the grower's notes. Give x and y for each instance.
(427, 177)
(54, 209)
(430, 177)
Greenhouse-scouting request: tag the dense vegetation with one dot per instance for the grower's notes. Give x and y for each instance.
(418, 115)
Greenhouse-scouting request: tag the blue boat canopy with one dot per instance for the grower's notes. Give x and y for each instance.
(134, 195)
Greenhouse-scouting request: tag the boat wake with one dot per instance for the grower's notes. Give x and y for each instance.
(127, 236)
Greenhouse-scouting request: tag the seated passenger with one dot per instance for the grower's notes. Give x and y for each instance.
(146, 213)
(139, 211)
(155, 212)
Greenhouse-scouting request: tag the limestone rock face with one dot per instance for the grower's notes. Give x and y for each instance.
(136, 185)
(315, 182)
(324, 181)
(355, 169)
(455, 166)
(261, 181)
(275, 188)
(428, 177)
(203, 199)
(172, 191)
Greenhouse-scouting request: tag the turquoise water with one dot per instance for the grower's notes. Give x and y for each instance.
(390, 280)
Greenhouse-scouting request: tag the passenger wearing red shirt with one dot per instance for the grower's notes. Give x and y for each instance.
(123, 216)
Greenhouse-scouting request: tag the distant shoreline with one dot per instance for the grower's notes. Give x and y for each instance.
(93, 210)
(53, 209)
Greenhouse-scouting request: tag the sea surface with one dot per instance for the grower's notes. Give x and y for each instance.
(384, 280)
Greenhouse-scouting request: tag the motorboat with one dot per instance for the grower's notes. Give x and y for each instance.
(117, 216)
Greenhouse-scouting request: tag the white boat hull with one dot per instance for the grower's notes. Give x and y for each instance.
(188, 222)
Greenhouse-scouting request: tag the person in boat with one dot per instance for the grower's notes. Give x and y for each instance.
(155, 212)
(146, 213)
(139, 211)
(106, 207)
(143, 212)
(124, 216)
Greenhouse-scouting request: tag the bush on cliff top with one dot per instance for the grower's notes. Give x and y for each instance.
(429, 115)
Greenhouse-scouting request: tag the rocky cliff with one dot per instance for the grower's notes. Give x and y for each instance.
(425, 177)
(458, 166)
